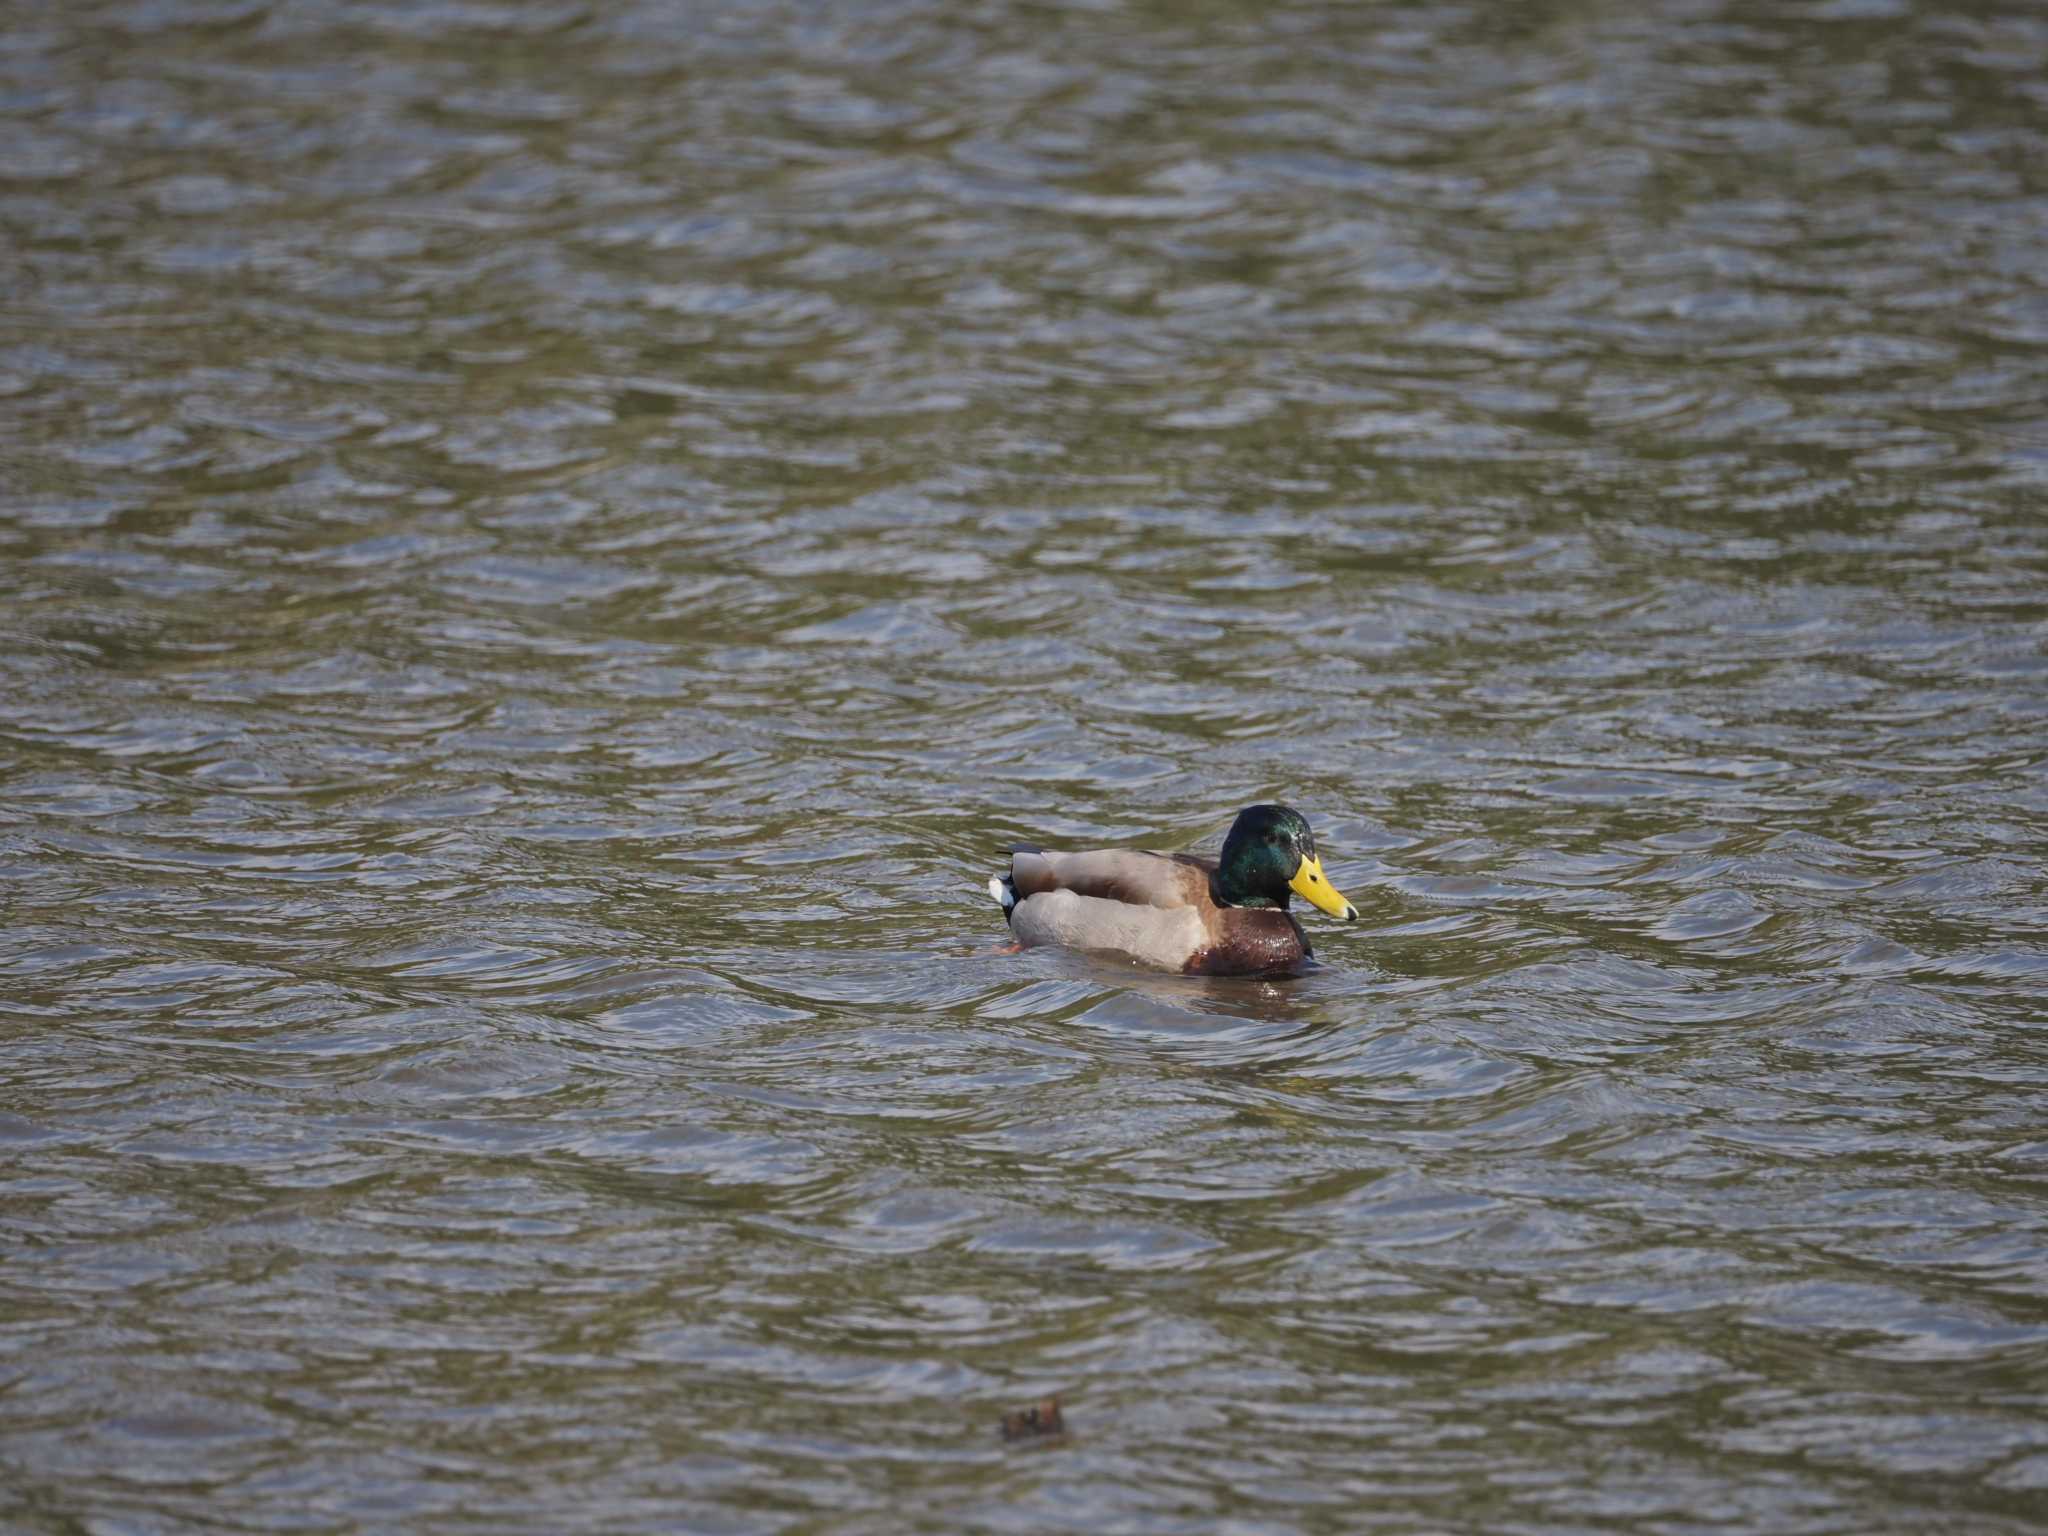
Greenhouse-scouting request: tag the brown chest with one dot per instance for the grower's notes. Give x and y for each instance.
(1250, 941)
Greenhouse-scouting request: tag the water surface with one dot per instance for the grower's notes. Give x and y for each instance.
(543, 547)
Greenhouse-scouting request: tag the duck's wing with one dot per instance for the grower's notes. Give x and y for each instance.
(1153, 907)
(1112, 874)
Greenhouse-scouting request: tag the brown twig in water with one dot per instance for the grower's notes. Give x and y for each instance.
(1041, 1418)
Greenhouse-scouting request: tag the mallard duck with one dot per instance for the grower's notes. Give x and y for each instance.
(1225, 916)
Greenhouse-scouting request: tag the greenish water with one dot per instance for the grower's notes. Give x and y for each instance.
(543, 548)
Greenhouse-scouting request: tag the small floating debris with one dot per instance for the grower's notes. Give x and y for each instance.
(1040, 1419)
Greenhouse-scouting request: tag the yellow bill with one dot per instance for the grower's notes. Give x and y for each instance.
(1313, 886)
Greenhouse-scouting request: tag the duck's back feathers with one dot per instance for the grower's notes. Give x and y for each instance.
(1112, 874)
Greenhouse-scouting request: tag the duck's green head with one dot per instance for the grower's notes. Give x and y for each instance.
(1270, 855)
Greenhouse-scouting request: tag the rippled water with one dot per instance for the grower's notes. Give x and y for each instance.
(544, 546)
